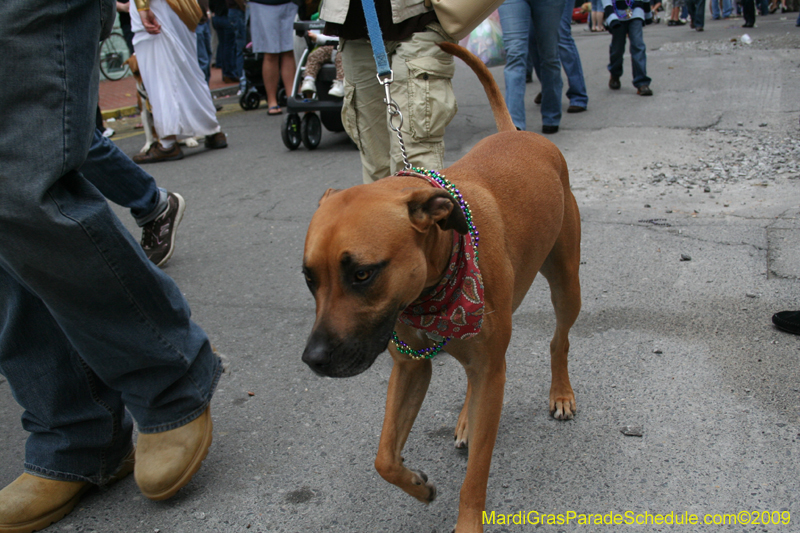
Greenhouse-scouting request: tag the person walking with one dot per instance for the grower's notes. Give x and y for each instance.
(92, 334)
(516, 19)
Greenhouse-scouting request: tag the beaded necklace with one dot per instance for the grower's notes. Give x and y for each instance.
(628, 10)
(438, 179)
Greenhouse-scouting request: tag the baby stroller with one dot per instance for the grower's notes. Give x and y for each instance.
(309, 129)
(254, 90)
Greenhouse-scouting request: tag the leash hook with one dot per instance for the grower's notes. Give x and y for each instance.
(394, 112)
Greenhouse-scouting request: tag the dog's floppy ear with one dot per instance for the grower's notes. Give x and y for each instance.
(327, 194)
(429, 206)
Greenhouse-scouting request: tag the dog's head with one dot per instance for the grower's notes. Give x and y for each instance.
(365, 261)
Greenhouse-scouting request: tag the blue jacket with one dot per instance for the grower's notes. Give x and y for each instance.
(640, 9)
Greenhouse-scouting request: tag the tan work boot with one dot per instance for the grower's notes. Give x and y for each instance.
(31, 503)
(166, 461)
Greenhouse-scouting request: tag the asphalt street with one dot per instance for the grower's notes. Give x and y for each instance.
(682, 350)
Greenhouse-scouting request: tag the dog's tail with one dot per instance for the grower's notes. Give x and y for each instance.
(501, 115)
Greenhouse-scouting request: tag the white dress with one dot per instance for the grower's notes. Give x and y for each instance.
(175, 85)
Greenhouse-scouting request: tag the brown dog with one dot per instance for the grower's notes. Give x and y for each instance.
(372, 250)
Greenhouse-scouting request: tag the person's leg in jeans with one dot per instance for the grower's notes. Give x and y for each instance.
(515, 19)
(546, 16)
(203, 33)
(236, 17)
(571, 61)
(122, 181)
(619, 34)
(638, 53)
(225, 44)
(727, 9)
(116, 320)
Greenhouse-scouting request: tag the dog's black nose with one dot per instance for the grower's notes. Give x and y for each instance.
(317, 354)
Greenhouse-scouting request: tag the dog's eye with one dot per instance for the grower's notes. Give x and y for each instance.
(363, 275)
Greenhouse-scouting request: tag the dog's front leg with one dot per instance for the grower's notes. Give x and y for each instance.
(408, 385)
(486, 376)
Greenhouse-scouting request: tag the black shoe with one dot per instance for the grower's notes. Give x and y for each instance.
(644, 90)
(216, 141)
(158, 236)
(549, 129)
(747, 25)
(576, 109)
(528, 77)
(538, 99)
(788, 321)
(671, 23)
(614, 83)
(699, 29)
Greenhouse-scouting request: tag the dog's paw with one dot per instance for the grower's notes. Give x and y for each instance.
(427, 491)
(563, 408)
(191, 142)
(460, 436)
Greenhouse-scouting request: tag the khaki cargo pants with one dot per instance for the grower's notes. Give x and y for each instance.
(423, 91)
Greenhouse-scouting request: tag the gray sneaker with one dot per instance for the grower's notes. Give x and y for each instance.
(158, 236)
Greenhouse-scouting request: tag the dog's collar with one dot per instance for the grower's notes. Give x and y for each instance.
(454, 308)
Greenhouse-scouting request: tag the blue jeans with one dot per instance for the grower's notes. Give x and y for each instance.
(515, 18)
(569, 56)
(226, 43)
(203, 33)
(238, 29)
(727, 9)
(122, 181)
(89, 327)
(697, 10)
(631, 29)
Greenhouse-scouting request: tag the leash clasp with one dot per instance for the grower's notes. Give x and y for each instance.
(394, 112)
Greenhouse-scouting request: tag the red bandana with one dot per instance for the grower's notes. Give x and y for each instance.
(454, 307)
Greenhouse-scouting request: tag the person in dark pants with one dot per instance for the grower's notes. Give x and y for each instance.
(219, 20)
(124, 16)
(626, 23)
(749, 13)
(697, 10)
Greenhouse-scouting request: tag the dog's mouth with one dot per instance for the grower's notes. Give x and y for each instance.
(329, 356)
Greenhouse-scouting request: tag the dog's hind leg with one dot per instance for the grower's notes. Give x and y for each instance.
(561, 271)
(408, 385)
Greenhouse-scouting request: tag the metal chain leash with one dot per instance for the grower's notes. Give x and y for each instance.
(394, 112)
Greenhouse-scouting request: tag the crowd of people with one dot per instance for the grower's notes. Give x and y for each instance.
(86, 313)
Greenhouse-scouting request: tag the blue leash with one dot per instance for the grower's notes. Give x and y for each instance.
(385, 74)
(376, 38)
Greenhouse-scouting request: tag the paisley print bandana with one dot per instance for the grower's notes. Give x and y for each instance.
(454, 308)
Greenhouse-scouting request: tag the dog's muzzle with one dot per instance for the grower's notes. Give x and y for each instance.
(329, 355)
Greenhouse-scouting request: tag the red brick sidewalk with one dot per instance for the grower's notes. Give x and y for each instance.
(117, 98)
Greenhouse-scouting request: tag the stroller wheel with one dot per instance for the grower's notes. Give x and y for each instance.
(290, 133)
(250, 100)
(311, 130)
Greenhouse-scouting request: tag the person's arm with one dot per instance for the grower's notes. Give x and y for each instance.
(149, 21)
(123, 7)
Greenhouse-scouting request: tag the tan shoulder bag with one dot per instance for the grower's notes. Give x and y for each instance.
(459, 17)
